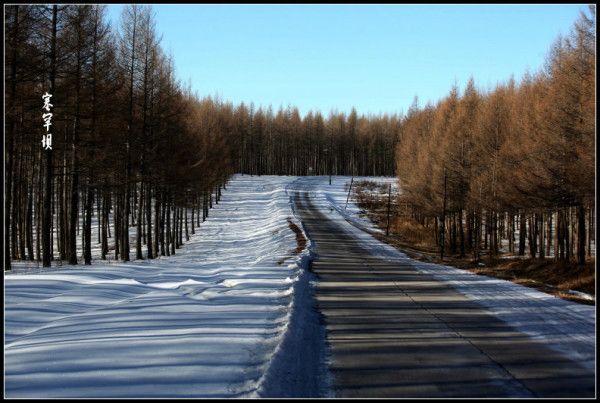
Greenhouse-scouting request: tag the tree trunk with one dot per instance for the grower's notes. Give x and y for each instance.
(486, 229)
(522, 233)
(118, 226)
(173, 230)
(104, 238)
(187, 234)
(192, 220)
(581, 234)
(541, 235)
(461, 232)
(138, 240)
(566, 234)
(163, 208)
(167, 228)
(549, 234)
(180, 226)
(152, 246)
(469, 224)
(125, 241)
(148, 205)
(99, 215)
(479, 229)
(533, 235)
(87, 254)
(453, 233)
(143, 217)
(198, 215)
(74, 213)
(177, 227)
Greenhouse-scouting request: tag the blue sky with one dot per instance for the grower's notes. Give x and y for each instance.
(373, 57)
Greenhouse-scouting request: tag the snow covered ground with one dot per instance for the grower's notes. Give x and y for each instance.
(337, 195)
(567, 327)
(207, 322)
(230, 315)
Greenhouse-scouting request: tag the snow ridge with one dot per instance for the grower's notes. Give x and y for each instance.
(206, 322)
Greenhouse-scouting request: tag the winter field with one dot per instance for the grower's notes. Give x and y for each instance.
(207, 321)
(230, 315)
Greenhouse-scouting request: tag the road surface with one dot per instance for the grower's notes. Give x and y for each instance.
(395, 332)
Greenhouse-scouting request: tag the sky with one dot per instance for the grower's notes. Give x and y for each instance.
(375, 58)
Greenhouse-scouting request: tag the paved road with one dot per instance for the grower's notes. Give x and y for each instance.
(394, 332)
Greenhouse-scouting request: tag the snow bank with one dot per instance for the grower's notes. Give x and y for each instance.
(206, 322)
(299, 367)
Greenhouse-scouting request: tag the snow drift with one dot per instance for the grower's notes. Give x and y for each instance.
(206, 322)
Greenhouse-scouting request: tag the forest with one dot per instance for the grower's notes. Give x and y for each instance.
(131, 145)
(119, 120)
(516, 162)
(99, 131)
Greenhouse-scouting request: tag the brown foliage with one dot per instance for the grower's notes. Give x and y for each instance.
(519, 149)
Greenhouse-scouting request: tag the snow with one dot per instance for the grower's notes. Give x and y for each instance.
(206, 322)
(231, 314)
(581, 295)
(565, 326)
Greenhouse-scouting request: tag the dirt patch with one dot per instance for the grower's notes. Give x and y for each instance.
(300, 240)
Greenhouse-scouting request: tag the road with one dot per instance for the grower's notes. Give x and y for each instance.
(395, 332)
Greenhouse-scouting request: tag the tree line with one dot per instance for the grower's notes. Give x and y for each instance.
(129, 144)
(262, 142)
(283, 143)
(516, 162)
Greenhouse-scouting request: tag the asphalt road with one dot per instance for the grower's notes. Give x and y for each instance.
(394, 332)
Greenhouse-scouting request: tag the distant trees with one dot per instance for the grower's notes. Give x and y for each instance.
(284, 143)
(518, 159)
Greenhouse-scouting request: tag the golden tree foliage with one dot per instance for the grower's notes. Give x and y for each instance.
(516, 150)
